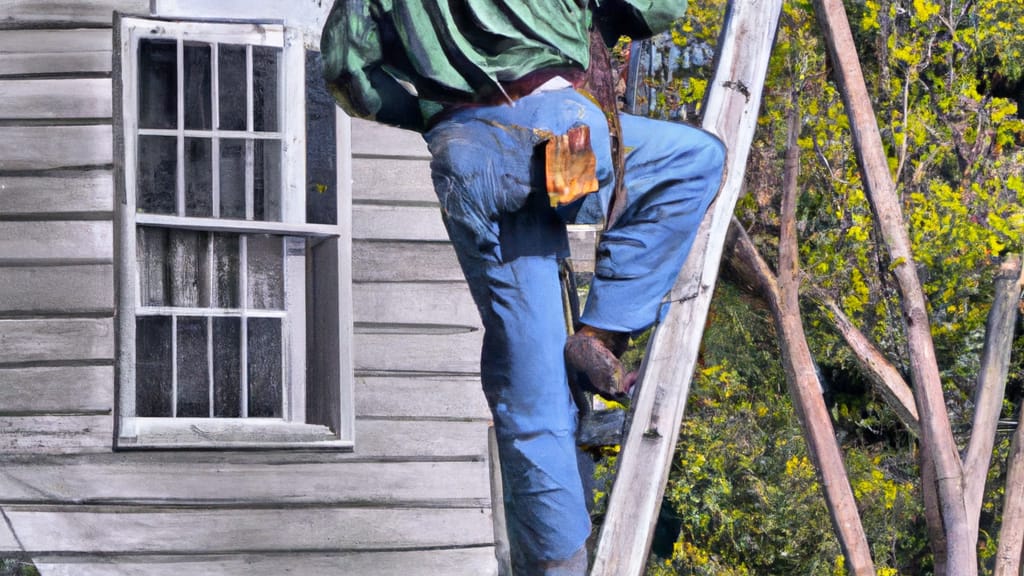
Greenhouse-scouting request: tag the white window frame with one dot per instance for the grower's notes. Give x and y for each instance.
(304, 245)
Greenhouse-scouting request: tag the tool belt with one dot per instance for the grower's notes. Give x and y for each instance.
(570, 164)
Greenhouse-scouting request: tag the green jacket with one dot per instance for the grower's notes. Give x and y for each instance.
(400, 61)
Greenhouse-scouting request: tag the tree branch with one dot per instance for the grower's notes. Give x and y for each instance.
(991, 384)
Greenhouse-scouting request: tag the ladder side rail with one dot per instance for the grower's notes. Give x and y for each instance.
(731, 110)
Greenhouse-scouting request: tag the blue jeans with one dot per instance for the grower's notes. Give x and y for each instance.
(491, 188)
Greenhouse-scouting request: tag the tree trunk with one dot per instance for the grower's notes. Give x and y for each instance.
(991, 386)
(805, 390)
(936, 435)
(1011, 534)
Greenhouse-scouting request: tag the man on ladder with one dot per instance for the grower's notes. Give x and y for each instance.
(506, 94)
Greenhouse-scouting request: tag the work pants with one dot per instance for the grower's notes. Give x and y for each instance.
(491, 187)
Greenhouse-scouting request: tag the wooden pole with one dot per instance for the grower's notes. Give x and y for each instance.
(936, 434)
(734, 97)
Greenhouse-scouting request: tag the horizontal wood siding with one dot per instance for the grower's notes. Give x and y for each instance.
(59, 390)
(476, 561)
(66, 193)
(55, 147)
(135, 481)
(384, 222)
(22, 241)
(455, 397)
(20, 12)
(41, 51)
(404, 261)
(438, 303)
(212, 531)
(418, 352)
(73, 289)
(63, 434)
(390, 180)
(56, 340)
(61, 98)
(377, 140)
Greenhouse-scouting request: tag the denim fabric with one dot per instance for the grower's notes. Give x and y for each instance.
(490, 185)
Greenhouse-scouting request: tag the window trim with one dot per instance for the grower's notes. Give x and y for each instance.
(323, 243)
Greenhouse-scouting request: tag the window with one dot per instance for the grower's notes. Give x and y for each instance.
(227, 242)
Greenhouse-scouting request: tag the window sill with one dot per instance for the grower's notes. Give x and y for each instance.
(214, 433)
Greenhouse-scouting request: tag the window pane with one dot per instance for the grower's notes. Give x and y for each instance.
(266, 272)
(267, 180)
(227, 376)
(198, 177)
(231, 84)
(265, 81)
(188, 268)
(193, 368)
(153, 366)
(157, 174)
(151, 249)
(265, 367)
(158, 83)
(232, 179)
(321, 146)
(198, 91)
(226, 282)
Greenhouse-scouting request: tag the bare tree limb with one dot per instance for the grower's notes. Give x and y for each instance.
(936, 434)
(883, 376)
(991, 384)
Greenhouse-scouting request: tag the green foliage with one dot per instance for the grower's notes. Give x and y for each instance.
(941, 75)
(742, 483)
(17, 567)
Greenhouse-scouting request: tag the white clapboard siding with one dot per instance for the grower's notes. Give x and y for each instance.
(48, 340)
(68, 193)
(475, 561)
(67, 11)
(459, 484)
(56, 434)
(57, 240)
(55, 99)
(371, 139)
(204, 530)
(8, 542)
(440, 303)
(392, 180)
(419, 439)
(51, 147)
(83, 289)
(61, 390)
(411, 351)
(374, 261)
(383, 222)
(70, 51)
(457, 397)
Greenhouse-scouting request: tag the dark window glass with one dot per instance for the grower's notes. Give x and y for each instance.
(267, 180)
(226, 281)
(153, 366)
(265, 272)
(188, 266)
(265, 367)
(227, 374)
(158, 83)
(151, 252)
(232, 179)
(156, 175)
(198, 177)
(198, 87)
(265, 65)
(321, 146)
(231, 86)
(193, 368)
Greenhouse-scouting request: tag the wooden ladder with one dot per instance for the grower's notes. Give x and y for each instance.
(730, 112)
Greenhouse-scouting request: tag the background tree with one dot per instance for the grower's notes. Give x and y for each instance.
(942, 80)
